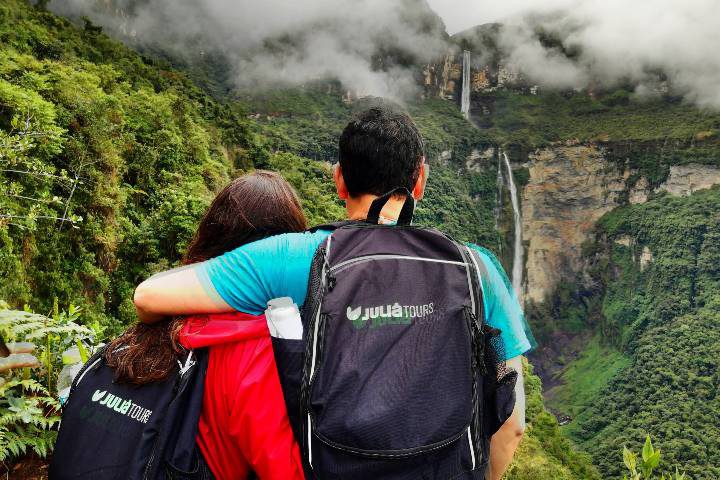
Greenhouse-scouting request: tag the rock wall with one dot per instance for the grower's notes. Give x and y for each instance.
(570, 188)
(686, 179)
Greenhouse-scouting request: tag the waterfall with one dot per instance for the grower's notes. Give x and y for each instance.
(465, 97)
(498, 195)
(517, 269)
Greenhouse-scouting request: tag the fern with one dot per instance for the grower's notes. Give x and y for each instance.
(29, 412)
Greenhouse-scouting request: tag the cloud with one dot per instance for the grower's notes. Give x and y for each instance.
(366, 44)
(371, 45)
(640, 42)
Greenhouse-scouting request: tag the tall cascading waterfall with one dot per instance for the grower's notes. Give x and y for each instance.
(498, 195)
(517, 269)
(465, 97)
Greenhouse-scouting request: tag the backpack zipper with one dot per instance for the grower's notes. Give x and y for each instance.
(392, 454)
(368, 258)
(316, 329)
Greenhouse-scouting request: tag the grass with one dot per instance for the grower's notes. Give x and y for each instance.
(584, 377)
(537, 120)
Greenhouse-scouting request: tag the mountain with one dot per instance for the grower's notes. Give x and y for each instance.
(619, 205)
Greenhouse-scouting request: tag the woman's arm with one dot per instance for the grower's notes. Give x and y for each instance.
(176, 292)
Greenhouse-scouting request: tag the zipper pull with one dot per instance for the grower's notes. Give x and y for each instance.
(331, 281)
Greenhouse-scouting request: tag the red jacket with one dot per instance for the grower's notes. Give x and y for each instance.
(244, 424)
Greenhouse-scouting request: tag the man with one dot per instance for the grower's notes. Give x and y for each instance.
(380, 150)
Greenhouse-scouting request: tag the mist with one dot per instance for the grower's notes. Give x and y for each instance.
(653, 46)
(283, 43)
(641, 43)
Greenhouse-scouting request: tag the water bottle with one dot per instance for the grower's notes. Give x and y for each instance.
(283, 319)
(72, 363)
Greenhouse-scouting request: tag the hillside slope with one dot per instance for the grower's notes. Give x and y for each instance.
(659, 264)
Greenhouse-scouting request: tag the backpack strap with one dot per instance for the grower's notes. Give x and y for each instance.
(406, 214)
(331, 227)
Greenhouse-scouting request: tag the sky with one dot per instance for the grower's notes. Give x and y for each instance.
(459, 15)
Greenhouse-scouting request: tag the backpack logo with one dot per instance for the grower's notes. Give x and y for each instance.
(387, 314)
(354, 314)
(124, 407)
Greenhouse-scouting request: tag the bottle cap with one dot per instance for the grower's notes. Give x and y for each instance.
(283, 319)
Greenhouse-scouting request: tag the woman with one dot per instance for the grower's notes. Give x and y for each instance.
(243, 426)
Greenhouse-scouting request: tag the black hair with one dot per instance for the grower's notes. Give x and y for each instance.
(380, 149)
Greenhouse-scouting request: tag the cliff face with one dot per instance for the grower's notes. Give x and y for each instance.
(686, 179)
(569, 188)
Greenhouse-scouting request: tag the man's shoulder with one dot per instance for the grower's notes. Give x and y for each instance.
(290, 243)
(487, 256)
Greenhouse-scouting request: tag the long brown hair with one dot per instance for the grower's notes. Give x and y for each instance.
(252, 207)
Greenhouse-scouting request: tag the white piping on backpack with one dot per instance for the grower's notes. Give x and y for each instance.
(472, 295)
(482, 289)
(472, 449)
(367, 258)
(470, 285)
(86, 370)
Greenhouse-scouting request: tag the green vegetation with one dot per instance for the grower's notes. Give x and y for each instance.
(107, 161)
(545, 454)
(29, 409)
(666, 319)
(649, 461)
(537, 120)
(584, 378)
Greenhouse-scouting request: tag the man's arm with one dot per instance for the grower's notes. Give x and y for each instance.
(506, 440)
(176, 292)
(241, 280)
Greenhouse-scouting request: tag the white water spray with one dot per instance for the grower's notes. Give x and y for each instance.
(517, 269)
(465, 97)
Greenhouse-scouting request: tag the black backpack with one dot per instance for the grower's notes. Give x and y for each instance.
(114, 431)
(397, 376)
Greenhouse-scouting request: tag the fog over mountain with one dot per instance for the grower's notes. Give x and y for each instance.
(610, 42)
(370, 45)
(367, 45)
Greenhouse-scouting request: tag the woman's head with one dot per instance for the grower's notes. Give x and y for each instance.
(254, 206)
(251, 207)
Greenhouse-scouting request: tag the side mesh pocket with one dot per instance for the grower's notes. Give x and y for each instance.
(498, 383)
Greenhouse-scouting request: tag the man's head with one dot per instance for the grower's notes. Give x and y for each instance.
(380, 149)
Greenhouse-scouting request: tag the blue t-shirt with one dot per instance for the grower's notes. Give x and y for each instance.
(247, 277)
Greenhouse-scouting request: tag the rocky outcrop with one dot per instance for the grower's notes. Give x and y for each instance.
(570, 188)
(686, 179)
(479, 159)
